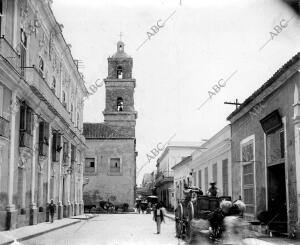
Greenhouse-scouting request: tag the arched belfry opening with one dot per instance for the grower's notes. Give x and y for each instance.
(120, 104)
(119, 72)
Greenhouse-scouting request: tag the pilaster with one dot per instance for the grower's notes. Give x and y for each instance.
(33, 208)
(49, 163)
(11, 220)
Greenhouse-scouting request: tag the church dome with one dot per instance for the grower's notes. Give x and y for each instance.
(120, 51)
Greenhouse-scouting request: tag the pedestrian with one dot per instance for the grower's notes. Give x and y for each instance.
(52, 209)
(158, 216)
(138, 206)
(213, 190)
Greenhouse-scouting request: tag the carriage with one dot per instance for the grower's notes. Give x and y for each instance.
(197, 207)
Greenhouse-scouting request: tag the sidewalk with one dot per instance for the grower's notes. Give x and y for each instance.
(30, 231)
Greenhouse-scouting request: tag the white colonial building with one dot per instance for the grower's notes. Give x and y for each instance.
(210, 162)
(41, 109)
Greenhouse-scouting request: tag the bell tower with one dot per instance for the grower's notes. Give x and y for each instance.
(119, 110)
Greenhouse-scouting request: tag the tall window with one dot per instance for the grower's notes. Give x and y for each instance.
(194, 178)
(53, 84)
(115, 166)
(120, 104)
(247, 149)
(119, 72)
(71, 112)
(215, 172)
(206, 178)
(23, 48)
(41, 66)
(64, 99)
(199, 179)
(225, 176)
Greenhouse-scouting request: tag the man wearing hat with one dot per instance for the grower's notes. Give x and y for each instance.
(213, 190)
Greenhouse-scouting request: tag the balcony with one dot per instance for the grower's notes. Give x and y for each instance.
(163, 177)
(4, 127)
(41, 88)
(25, 139)
(10, 54)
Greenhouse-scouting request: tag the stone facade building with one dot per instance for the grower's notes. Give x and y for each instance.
(110, 163)
(265, 150)
(41, 142)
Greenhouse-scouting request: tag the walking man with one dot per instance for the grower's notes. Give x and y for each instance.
(52, 209)
(158, 216)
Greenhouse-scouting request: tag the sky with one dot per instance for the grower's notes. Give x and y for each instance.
(233, 43)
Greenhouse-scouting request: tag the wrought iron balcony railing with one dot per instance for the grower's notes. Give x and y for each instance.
(164, 176)
(10, 54)
(42, 89)
(4, 127)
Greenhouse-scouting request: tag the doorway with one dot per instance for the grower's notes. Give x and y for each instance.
(277, 205)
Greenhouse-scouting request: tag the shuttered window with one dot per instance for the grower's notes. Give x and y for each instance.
(200, 179)
(225, 176)
(215, 172)
(248, 175)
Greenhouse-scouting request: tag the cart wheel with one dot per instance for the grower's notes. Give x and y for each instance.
(190, 216)
(178, 220)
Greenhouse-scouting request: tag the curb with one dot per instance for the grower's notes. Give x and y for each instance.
(40, 233)
(88, 217)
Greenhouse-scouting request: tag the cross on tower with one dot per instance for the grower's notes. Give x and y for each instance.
(121, 34)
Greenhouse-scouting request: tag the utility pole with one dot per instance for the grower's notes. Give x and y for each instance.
(236, 103)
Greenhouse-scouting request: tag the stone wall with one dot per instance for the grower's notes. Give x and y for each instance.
(102, 185)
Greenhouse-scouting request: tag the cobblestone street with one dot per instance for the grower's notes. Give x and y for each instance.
(107, 229)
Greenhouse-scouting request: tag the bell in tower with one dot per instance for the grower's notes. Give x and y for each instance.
(119, 86)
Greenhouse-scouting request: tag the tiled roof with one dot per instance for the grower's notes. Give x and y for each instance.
(271, 80)
(100, 131)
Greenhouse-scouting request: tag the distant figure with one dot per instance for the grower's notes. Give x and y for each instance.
(52, 209)
(138, 206)
(213, 190)
(158, 216)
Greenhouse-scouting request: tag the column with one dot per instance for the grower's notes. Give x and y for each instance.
(49, 171)
(11, 209)
(76, 168)
(33, 208)
(69, 181)
(60, 176)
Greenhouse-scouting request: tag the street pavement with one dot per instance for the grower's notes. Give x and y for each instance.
(112, 229)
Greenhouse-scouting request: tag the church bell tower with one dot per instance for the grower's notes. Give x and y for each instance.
(119, 110)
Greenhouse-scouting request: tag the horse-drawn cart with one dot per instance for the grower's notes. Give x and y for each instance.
(199, 207)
